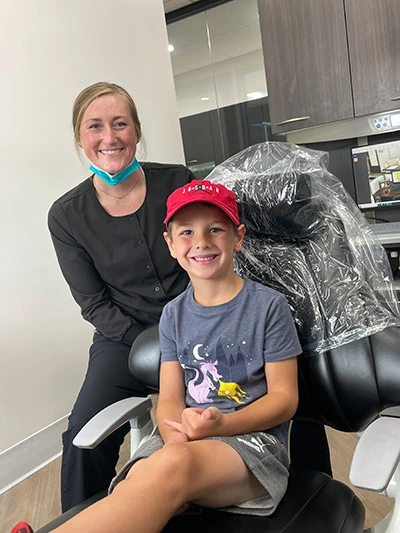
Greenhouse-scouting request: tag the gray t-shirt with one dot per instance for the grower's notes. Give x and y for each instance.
(222, 349)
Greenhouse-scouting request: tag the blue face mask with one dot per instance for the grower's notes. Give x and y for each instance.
(119, 177)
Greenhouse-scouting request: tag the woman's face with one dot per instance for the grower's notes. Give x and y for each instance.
(108, 134)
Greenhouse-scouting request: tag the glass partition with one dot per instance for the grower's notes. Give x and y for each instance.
(220, 83)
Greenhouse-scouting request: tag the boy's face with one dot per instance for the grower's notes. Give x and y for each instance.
(203, 239)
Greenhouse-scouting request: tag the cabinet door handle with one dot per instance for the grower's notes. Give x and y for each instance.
(395, 98)
(290, 120)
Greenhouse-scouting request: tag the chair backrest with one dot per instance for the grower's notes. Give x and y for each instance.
(345, 388)
(144, 357)
(348, 387)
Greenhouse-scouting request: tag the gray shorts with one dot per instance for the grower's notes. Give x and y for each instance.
(264, 455)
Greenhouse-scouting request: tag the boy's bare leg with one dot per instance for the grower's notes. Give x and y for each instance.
(207, 472)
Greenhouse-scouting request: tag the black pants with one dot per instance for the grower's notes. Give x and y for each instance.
(309, 446)
(87, 472)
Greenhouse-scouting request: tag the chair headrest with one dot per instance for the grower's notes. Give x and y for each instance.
(280, 206)
(307, 239)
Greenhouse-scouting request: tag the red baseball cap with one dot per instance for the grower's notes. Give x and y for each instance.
(203, 191)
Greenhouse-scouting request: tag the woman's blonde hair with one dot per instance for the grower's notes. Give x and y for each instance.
(86, 97)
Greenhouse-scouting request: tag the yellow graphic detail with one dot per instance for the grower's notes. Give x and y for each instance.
(231, 390)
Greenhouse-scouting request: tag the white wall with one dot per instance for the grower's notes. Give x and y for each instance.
(49, 51)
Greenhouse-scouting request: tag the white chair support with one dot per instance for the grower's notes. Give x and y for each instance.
(375, 467)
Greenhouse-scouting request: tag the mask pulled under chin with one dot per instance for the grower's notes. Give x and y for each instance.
(118, 177)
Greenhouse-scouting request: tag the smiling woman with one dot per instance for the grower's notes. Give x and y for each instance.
(108, 237)
(107, 128)
(108, 133)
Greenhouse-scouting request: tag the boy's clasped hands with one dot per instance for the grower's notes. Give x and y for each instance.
(196, 424)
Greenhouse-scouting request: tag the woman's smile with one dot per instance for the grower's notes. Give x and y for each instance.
(107, 134)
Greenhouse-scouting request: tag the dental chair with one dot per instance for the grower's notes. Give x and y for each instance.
(346, 388)
(315, 247)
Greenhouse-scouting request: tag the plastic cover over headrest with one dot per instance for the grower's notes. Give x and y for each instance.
(307, 238)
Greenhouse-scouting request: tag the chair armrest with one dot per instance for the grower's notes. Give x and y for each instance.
(377, 455)
(111, 418)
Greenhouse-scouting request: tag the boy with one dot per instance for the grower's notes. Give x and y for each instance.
(228, 383)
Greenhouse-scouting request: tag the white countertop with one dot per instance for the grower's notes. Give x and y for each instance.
(387, 233)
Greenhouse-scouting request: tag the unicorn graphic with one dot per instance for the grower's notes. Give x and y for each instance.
(209, 374)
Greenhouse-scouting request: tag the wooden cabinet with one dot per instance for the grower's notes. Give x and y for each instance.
(373, 28)
(329, 60)
(306, 62)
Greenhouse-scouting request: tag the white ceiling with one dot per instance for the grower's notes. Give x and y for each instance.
(234, 31)
(230, 69)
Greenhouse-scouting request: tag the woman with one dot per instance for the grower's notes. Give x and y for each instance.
(108, 236)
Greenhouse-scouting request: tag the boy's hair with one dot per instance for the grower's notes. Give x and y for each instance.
(203, 191)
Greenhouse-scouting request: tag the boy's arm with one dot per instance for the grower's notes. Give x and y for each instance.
(171, 400)
(278, 406)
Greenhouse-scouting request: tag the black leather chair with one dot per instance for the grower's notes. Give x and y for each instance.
(345, 388)
(304, 239)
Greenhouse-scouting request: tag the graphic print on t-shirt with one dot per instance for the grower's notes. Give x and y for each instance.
(209, 376)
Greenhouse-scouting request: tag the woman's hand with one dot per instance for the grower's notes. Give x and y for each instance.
(197, 424)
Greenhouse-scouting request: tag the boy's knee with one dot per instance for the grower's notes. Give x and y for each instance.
(175, 461)
(176, 454)
(169, 470)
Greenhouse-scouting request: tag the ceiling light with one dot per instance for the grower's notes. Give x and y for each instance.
(205, 98)
(256, 94)
(171, 48)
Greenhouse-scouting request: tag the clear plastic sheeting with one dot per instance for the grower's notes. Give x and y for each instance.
(307, 239)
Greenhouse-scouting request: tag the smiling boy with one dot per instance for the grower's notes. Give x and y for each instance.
(228, 384)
